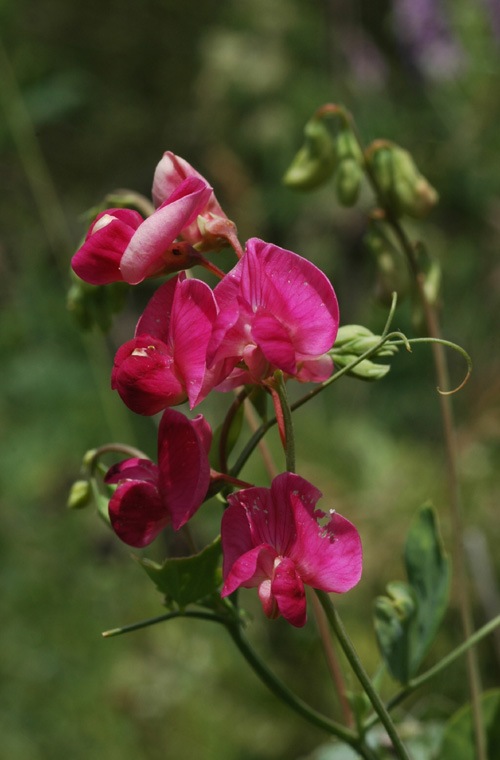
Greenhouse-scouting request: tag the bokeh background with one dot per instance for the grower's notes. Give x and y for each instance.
(91, 95)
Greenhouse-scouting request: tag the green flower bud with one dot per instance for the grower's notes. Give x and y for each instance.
(346, 146)
(348, 181)
(405, 189)
(352, 341)
(357, 339)
(365, 370)
(80, 495)
(315, 162)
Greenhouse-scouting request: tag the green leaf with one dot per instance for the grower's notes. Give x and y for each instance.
(394, 626)
(458, 738)
(186, 580)
(429, 574)
(232, 438)
(407, 620)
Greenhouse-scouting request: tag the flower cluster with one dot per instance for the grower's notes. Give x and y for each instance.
(273, 311)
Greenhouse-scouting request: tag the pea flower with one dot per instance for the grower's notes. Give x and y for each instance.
(276, 311)
(272, 539)
(149, 497)
(120, 245)
(164, 364)
(212, 230)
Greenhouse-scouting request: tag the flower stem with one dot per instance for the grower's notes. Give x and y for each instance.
(160, 619)
(352, 656)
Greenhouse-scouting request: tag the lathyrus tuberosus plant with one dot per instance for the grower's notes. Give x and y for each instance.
(271, 320)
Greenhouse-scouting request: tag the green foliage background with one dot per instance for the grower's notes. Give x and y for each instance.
(92, 94)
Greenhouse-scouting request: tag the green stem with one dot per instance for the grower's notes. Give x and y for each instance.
(356, 664)
(450, 658)
(160, 619)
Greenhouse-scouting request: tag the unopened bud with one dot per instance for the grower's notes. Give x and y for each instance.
(315, 161)
(353, 341)
(80, 495)
(348, 181)
(405, 189)
(365, 370)
(357, 339)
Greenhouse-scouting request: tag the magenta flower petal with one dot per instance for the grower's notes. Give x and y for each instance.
(132, 469)
(330, 557)
(98, 260)
(184, 469)
(274, 342)
(143, 256)
(204, 431)
(287, 589)
(169, 174)
(295, 291)
(251, 569)
(193, 313)
(146, 377)
(155, 319)
(137, 512)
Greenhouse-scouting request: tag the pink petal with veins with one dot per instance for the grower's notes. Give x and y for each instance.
(183, 466)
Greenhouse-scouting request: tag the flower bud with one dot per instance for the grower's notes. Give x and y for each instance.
(352, 341)
(348, 181)
(80, 495)
(404, 188)
(357, 339)
(365, 370)
(392, 269)
(315, 162)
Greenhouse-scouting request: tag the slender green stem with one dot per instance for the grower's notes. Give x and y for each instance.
(200, 615)
(450, 658)
(226, 427)
(356, 664)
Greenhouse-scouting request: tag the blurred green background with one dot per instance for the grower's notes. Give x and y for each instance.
(91, 95)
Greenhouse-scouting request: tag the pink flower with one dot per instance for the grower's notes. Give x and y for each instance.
(164, 364)
(120, 245)
(276, 311)
(212, 230)
(271, 538)
(150, 497)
